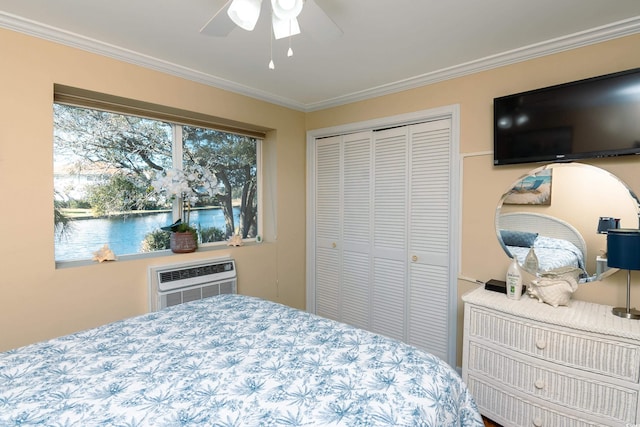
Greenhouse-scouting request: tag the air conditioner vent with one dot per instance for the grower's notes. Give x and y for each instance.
(179, 283)
(191, 272)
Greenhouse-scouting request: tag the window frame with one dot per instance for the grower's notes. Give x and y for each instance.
(177, 118)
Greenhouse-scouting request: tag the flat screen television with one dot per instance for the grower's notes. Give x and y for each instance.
(596, 117)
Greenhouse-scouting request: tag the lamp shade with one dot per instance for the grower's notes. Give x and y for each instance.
(606, 223)
(623, 248)
(286, 9)
(245, 13)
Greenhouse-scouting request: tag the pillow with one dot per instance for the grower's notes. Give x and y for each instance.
(524, 239)
(563, 272)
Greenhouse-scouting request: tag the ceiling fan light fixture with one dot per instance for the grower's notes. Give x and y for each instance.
(284, 28)
(286, 9)
(245, 13)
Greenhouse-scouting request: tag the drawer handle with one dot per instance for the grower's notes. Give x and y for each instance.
(537, 422)
(539, 384)
(541, 344)
(333, 245)
(414, 258)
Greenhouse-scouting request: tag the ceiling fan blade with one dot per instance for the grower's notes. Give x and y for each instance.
(315, 22)
(220, 24)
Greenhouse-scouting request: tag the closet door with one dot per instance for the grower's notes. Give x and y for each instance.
(328, 225)
(343, 212)
(389, 243)
(429, 238)
(356, 229)
(382, 233)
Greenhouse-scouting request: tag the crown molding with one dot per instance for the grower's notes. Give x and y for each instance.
(549, 47)
(576, 40)
(46, 32)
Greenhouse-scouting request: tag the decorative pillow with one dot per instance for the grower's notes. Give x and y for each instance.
(524, 239)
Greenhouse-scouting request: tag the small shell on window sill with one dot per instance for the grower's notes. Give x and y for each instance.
(104, 254)
(235, 240)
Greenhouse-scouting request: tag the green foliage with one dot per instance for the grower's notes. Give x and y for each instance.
(183, 227)
(78, 204)
(212, 234)
(61, 222)
(156, 241)
(118, 194)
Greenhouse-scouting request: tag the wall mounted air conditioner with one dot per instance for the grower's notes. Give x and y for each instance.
(175, 284)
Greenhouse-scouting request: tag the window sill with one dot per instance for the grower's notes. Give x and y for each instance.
(208, 247)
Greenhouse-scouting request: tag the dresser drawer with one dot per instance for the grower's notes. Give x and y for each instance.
(579, 350)
(510, 409)
(569, 388)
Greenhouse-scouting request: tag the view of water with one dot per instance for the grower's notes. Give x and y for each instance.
(124, 235)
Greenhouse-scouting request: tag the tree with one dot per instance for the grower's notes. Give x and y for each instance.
(232, 157)
(61, 222)
(104, 140)
(128, 149)
(118, 195)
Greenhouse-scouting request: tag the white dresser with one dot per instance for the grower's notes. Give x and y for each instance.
(530, 364)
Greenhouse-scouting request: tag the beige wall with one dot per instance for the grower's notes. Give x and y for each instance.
(483, 184)
(37, 301)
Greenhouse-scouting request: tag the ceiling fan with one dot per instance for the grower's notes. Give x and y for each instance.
(287, 18)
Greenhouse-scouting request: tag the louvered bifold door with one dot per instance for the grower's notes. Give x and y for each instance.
(389, 232)
(356, 229)
(429, 237)
(327, 227)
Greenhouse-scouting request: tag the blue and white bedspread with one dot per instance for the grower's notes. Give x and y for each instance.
(229, 361)
(552, 253)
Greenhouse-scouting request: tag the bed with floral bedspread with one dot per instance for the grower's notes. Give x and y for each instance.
(229, 360)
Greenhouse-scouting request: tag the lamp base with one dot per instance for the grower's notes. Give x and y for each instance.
(632, 313)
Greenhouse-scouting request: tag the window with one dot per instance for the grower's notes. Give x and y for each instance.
(107, 166)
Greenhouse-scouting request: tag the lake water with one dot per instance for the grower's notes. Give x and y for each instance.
(124, 235)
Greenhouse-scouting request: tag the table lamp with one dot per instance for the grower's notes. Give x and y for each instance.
(623, 248)
(606, 223)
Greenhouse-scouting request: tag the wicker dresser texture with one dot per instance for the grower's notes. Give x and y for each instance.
(530, 364)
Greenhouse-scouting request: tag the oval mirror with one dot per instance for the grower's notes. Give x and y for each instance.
(563, 210)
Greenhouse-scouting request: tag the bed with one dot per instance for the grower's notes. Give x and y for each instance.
(229, 360)
(556, 243)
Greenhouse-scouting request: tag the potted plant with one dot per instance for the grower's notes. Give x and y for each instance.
(185, 187)
(184, 238)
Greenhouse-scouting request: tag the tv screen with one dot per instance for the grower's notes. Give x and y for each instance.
(596, 117)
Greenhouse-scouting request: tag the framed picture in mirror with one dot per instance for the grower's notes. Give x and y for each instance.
(531, 190)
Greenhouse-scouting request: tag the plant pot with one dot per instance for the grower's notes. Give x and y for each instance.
(183, 242)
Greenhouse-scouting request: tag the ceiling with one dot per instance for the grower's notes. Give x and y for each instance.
(385, 45)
